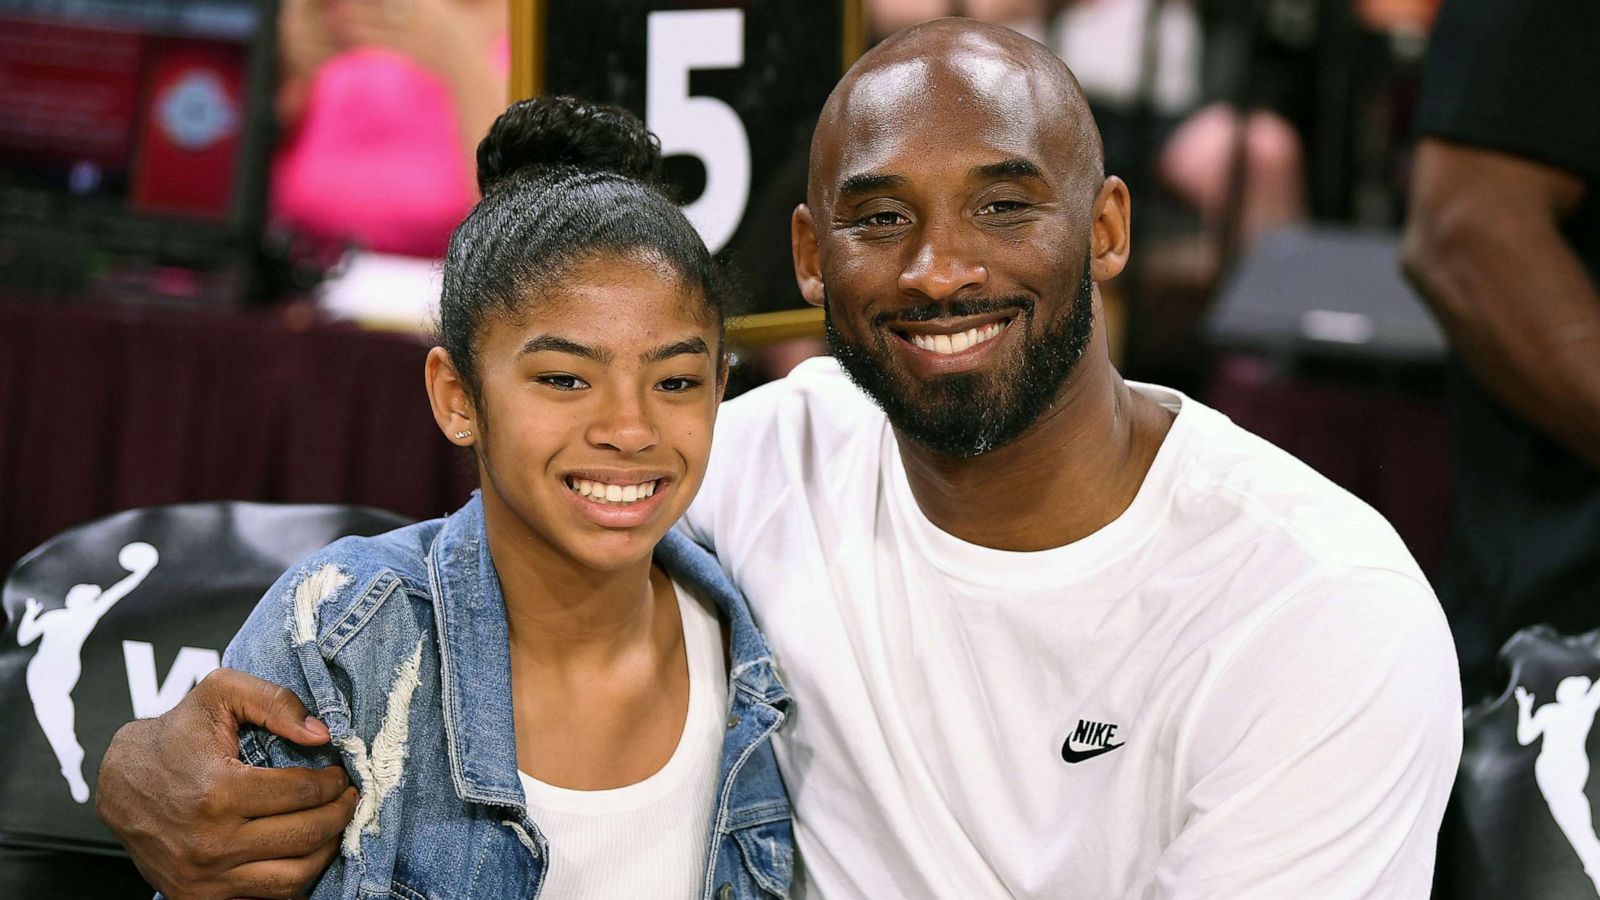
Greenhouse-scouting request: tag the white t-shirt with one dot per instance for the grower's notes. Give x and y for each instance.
(648, 839)
(1253, 680)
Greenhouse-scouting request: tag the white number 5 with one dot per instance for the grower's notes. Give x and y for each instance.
(680, 41)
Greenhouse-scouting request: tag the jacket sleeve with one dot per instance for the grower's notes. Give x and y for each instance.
(279, 643)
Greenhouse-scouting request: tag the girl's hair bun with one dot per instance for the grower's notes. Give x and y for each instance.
(564, 131)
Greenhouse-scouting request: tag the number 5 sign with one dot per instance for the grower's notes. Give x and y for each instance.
(732, 88)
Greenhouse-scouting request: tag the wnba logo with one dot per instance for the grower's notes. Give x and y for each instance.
(56, 666)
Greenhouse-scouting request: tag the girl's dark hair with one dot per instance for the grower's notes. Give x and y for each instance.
(563, 181)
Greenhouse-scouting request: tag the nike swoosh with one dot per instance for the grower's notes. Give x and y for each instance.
(1078, 756)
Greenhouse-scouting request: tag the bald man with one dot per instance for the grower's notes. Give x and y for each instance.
(1049, 633)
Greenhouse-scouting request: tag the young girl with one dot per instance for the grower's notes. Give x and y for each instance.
(548, 694)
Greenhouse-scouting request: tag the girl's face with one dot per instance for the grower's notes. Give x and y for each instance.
(596, 410)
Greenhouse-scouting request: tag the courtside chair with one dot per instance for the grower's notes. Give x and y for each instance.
(114, 620)
(1522, 822)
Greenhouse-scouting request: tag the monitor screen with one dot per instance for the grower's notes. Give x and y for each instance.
(137, 103)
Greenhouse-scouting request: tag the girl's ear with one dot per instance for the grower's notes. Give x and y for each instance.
(452, 404)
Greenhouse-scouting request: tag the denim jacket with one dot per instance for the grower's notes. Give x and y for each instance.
(399, 644)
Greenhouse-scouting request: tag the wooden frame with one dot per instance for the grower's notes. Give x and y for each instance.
(528, 44)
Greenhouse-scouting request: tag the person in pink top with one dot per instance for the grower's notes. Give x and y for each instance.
(382, 103)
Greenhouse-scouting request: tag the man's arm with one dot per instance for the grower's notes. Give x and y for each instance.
(1483, 245)
(1320, 757)
(201, 824)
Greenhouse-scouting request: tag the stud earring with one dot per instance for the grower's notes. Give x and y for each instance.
(463, 435)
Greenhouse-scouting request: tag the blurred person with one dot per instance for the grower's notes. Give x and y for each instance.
(1195, 141)
(1049, 632)
(1503, 241)
(382, 104)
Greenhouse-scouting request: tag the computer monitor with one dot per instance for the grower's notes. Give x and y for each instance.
(133, 136)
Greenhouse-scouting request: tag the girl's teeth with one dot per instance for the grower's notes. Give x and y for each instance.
(947, 344)
(612, 493)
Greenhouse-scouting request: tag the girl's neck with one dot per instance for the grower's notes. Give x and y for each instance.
(564, 614)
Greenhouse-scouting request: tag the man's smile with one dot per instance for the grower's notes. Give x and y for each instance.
(947, 346)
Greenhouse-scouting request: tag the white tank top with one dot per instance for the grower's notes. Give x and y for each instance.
(646, 839)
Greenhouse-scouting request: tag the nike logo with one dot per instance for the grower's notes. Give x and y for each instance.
(1078, 756)
(1096, 734)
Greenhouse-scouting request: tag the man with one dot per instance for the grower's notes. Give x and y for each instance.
(1048, 633)
(1504, 242)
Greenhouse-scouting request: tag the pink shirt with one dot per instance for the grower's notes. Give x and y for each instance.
(377, 158)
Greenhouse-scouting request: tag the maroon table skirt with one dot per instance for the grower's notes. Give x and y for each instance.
(106, 408)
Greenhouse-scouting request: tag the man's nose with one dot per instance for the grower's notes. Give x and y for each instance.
(943, 265)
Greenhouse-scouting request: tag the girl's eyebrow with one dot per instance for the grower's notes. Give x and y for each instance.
(545, 342)
(562, 345)
(687, 347)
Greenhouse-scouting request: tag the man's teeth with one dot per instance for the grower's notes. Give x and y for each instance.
(612, 493)
(955, 343)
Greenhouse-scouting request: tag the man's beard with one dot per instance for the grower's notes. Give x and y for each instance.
(969, 413)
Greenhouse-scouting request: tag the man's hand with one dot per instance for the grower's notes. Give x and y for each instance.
(200, 823)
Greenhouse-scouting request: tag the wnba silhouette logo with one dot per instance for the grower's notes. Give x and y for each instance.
(56, 666)
(1562, 769)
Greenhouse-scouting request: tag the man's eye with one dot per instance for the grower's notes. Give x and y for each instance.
(999, 207)
(563, 382)
(883, 220)
(678, 385)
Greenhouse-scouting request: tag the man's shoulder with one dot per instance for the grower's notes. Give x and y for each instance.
(817, 389)
(1272, 498)
(816, 409)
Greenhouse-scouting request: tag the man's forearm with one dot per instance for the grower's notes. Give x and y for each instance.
(1522, 312)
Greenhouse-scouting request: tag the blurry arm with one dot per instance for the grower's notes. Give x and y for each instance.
(1483, 245)
(304, 44)
(478, 93)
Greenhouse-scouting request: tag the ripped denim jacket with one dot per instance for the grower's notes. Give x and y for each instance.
(399, 644)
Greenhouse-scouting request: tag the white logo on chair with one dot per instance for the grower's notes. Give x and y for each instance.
(56, 666)
(1562, 769)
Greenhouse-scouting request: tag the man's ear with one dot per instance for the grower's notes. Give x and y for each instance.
(1110, 240)
(807, 258)
(452, 405)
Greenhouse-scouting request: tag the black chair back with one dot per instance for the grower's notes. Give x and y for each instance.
(1522, 819)
(117, 619)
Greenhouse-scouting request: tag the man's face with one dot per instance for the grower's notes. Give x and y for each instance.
(954, 246)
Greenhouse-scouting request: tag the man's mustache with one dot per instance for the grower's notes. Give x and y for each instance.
(953, 309)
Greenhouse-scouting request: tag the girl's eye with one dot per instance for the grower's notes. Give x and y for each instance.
(679, 385)
(563, 382)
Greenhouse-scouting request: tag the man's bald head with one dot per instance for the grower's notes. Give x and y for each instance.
(951, 69)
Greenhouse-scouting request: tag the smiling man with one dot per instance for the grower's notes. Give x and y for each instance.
(1049, 633)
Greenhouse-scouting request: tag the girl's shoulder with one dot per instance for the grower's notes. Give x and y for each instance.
(338, 592)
